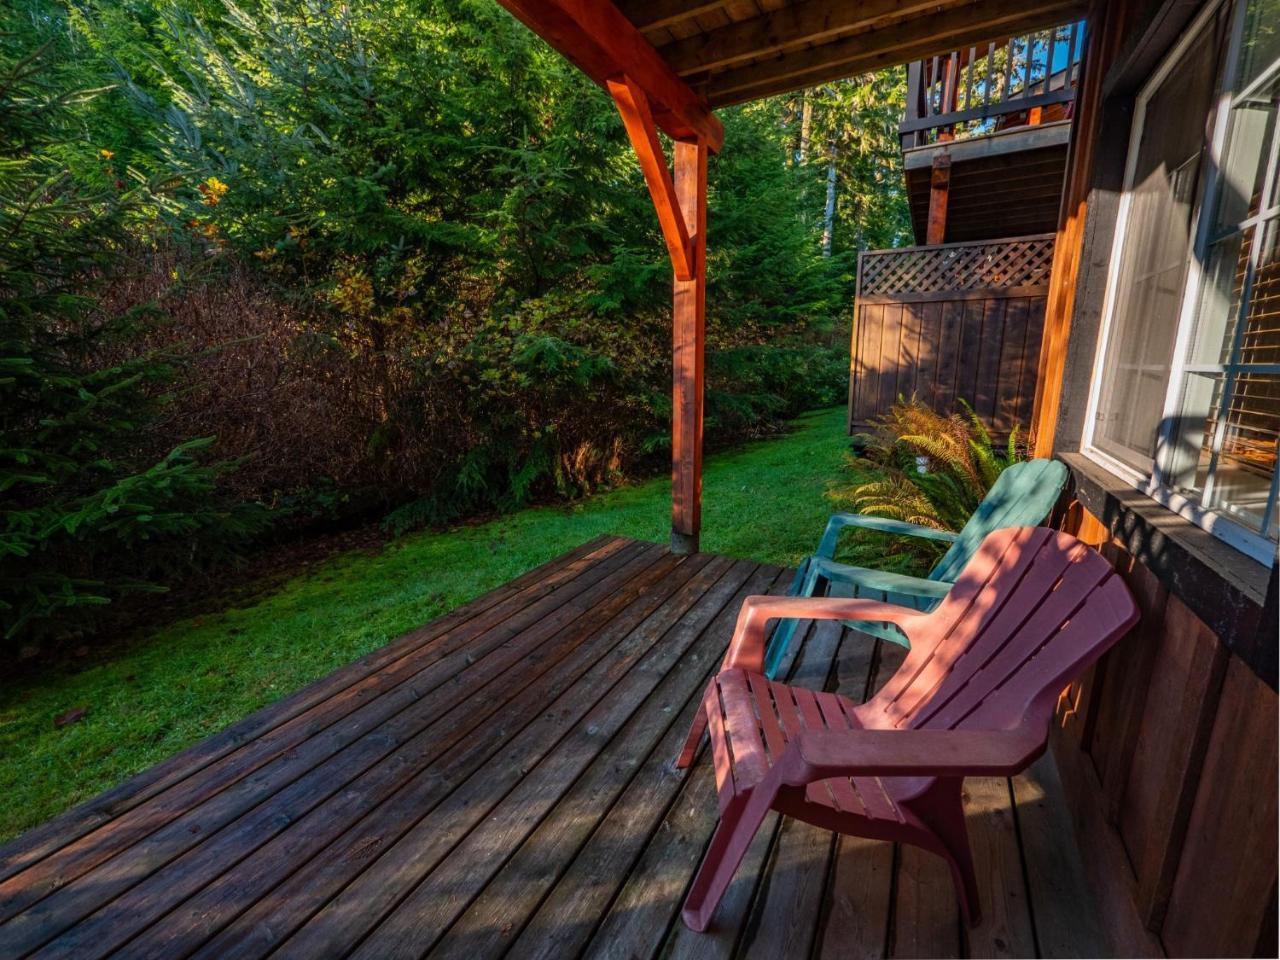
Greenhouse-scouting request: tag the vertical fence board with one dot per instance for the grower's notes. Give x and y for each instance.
(970, 339)
(890, 345)
(1024, 408)
(865, 361)
(927, 359)
(944, 393)
(909, 355)
(950, 322)
(1009, 372)
(988, 360)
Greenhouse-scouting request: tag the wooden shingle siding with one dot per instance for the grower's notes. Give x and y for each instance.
(1223, 898)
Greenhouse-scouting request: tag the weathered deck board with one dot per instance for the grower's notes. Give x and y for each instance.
(66, 828)
(860, 889)
(499, 783)
(339, 719)
(298, 780)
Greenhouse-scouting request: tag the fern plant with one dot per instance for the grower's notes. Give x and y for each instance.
(923, 468)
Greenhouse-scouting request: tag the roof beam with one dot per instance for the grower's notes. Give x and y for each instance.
(812, 21)
(888, 46)
(600, 41)
(636, 118)
(651, 14)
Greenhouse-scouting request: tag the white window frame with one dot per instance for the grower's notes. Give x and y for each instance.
(1249, 542)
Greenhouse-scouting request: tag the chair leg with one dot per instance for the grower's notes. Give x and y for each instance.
(948, 826)
(966, 884)
(696, 731)
(803, 585)
(738, 825)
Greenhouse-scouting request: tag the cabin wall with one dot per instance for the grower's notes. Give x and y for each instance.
(1168, 753)
(1168, 748)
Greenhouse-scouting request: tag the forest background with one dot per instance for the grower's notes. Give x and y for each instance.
(272, 269)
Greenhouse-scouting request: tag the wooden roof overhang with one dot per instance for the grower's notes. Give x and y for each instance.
(668, 64)
(692, 56)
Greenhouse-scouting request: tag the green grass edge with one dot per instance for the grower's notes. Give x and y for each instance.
(765, 501)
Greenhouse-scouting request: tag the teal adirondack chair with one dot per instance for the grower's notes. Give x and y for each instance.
(1022, 496)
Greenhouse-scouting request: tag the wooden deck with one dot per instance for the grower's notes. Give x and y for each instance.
(499, 783)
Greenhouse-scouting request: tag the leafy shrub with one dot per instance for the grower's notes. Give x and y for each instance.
(403, 266)
(469, 277)
(927, 469)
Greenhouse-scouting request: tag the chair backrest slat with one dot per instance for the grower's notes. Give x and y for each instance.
(1001, 664)
(968, 607)
(1073, 650)
(979, 635)
(1033, 607)
(1022, 496)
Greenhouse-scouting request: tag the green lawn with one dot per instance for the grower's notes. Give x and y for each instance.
(172, 688)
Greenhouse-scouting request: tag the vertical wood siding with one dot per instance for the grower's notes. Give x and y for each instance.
(950, 323)
(1168, 752)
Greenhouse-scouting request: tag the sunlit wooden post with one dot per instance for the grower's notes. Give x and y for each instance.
(681, 205)
(1108, 28)
(651, 95)
(689, 338)
(939, 190)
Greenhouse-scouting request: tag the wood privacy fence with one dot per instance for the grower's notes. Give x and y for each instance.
(950, 322)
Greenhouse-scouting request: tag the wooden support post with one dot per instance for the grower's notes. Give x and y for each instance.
(681, 204)
(1109, 27)
(689, 335)
(939, 186)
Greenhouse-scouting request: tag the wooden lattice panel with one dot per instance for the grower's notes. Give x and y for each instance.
(988, 265)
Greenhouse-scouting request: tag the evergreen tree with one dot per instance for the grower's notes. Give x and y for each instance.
(83, 516)
(852, 147)
(438, 283)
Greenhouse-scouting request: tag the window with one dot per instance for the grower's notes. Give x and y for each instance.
(1188, 386)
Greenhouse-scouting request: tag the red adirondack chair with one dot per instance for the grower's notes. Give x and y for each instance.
(974, 697)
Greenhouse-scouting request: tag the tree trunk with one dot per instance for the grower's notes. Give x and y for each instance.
(806, 125)
(829, 212)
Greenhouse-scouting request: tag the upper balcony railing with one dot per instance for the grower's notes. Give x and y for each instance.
(1008, 83)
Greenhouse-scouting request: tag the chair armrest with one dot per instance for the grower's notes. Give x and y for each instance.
(746, 650)
(838, 521)
(821, 754)
(879, 579)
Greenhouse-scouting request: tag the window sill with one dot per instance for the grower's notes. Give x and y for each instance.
(1223, 587)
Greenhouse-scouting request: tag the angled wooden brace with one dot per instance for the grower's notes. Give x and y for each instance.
(637, 118)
